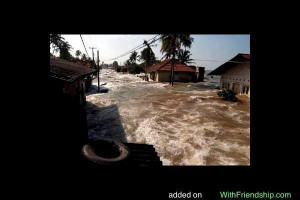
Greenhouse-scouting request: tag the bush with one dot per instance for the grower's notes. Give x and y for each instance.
(123, 69)
(118, 69)
(227, 94)
(135, 69)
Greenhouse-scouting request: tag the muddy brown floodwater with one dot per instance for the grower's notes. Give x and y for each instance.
(188, 124)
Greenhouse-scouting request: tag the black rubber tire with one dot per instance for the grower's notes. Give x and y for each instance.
(89, 153)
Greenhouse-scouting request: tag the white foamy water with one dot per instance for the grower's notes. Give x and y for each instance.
(188, 124)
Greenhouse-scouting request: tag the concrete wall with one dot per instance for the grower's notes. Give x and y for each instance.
(200, 73)
(237, 78)
(164, 76)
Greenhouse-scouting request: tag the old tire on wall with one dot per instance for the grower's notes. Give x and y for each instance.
(105, 152)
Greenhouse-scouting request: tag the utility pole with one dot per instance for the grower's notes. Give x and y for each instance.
(98, 70)
(93, 52)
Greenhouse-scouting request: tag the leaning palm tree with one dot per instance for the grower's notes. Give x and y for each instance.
(148, 56)
(56, 41)
(83, 57)
(133, 57)
(77, 54)
(184, 56)
(171, 44)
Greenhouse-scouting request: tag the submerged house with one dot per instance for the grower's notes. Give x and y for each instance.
(68, 79)
(235, 74)
(161, 72)
(200, 71)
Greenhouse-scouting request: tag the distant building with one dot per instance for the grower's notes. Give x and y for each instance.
(235, 74)
(87, 63)
(68, 80)
(200, 71)
(161, 72)
(104, 66)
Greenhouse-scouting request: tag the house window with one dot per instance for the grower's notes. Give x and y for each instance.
(245, 89)
(225, 85)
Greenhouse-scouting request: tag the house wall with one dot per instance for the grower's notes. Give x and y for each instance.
(186, 76)
(68, 123)
(164, 76)
(76, 90)
(237, 78)
(200, 73)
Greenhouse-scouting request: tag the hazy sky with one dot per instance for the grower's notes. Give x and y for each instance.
(204, 47)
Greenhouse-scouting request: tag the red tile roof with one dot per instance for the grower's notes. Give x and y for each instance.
(247, 56)
(166, 66)
(68, 71)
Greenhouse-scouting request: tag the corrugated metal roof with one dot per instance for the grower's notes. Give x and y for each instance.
(238, 58)
(166, 66)
(68, 71)
(86, 63)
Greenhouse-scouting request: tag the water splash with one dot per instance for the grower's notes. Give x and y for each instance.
(187, 125)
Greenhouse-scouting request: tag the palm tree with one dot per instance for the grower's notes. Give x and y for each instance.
(148, 56)
(133, 57)
(64, 52)
(77, 53)
(184, 56)
(83, 57)
(171, 44)
(56, 41)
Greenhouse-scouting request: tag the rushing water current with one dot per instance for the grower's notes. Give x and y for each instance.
(187, 124)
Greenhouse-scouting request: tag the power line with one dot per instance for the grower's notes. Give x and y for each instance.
(134, 49)
(220, 61)
(84, 45)
(154, 40)
(93, 50)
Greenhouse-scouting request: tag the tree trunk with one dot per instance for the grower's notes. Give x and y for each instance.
(172, 70)
(146, 66)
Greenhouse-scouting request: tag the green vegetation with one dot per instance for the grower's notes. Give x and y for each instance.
(64, 51)
(171, 46)
(77, 54)
(148, 56)
(135, 69)
(115, 65)
(118, 69)
(83, 57)
(184, 56)
(130, 65)
(58, 44)
(227, 94)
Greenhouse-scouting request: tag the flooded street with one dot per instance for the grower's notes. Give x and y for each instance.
(188, 124)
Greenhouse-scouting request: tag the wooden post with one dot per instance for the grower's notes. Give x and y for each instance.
(98, 70)
(146, 66)
(93, 53)
(172, 70)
